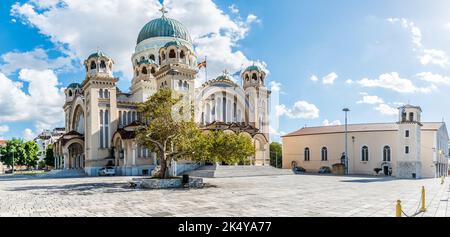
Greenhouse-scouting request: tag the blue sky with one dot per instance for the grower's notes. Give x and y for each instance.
(368, 56)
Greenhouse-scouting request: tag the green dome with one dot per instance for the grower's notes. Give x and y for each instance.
(146, 62)
(176, 43)
(163, 27)
(98, 54)
(253, 68)
(74, 86)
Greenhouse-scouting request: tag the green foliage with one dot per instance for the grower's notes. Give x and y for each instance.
(31, 150)
(171, 133)
(230, 148)
(276, 154)
(49, 156)
(24, 153)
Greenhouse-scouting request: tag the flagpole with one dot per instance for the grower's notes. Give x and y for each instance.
(206, 69)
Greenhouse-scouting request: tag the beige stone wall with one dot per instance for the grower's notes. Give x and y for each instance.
(293, 150)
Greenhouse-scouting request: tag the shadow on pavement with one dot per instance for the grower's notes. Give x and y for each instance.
(79, 189)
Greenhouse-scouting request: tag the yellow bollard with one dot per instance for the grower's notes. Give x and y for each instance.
(398, 209)
(423, 208)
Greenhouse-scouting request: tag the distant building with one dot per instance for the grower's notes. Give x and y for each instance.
(46, 138)
(408, 148)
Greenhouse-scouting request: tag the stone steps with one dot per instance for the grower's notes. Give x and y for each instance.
(63, 174)
(237, 171)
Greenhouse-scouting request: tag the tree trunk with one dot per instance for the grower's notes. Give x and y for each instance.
(164, 168)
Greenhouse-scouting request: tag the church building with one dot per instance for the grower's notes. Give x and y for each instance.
(100, 120)
(408, 148)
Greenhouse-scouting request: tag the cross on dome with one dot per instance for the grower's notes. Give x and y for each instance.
(163, 10)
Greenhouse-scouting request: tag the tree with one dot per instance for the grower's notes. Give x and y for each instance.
(49, 157)
(31, 150)
(14, 148)
(24, 153)
(172, 134)
(276, 155)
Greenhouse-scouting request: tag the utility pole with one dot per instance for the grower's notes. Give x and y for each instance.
(346, 110)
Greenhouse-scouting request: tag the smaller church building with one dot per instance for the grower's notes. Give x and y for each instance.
(408, 148)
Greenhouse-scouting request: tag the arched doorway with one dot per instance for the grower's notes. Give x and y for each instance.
(76, 156)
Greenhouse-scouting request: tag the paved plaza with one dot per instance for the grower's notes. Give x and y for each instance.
(284, 195)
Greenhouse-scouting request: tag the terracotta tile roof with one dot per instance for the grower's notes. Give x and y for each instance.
(367, 127)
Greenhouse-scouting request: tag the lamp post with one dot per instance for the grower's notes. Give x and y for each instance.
(346, 110)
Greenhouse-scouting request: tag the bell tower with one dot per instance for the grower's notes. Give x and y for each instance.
(409, 163)
(101, 115)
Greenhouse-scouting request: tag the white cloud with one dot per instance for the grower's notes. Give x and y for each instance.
(314, 78)
(349, 81)
(386, 110)
(370, 99)
(4, 129)
(435, 57)
(275, 86)
(329, 79)
(233, 8)
(393, 81)
(427, 56)
(37, 59)
(326, 122)
(83, 25)
(434, 78)
(301, 109)
(415, 31)
(42, 103)
(28, 134)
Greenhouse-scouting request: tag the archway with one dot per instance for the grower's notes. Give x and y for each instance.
(78, 123)
(76, 156)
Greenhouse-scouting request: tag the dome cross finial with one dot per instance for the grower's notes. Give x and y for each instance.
(163, 11)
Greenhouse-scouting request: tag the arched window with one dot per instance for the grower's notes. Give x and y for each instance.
(153, 71)
(70, 93)
(172, 54)
(307, 155)
(254, 77)
(144, 70)
(324, 154)
(182, 54)
(93, 65)
(106, 94)
(142, 58)
(387, 154)
(102, 64)
(152, 57)
(364, 153)
(185, 86)
(411, 117)
(163, 55)
(100, 93)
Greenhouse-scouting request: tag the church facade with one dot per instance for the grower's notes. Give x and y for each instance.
(408, 148)
(100, 120)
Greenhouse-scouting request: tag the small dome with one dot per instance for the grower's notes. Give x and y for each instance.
(74, 86)
(173, 43)
(164, 27)
(98, 54)
(253, 68)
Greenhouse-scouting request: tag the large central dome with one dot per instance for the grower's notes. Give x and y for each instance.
(164, 27)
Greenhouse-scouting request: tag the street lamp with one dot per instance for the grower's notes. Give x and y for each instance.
(346, 110)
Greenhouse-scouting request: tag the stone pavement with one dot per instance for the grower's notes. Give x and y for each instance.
(286, 195)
